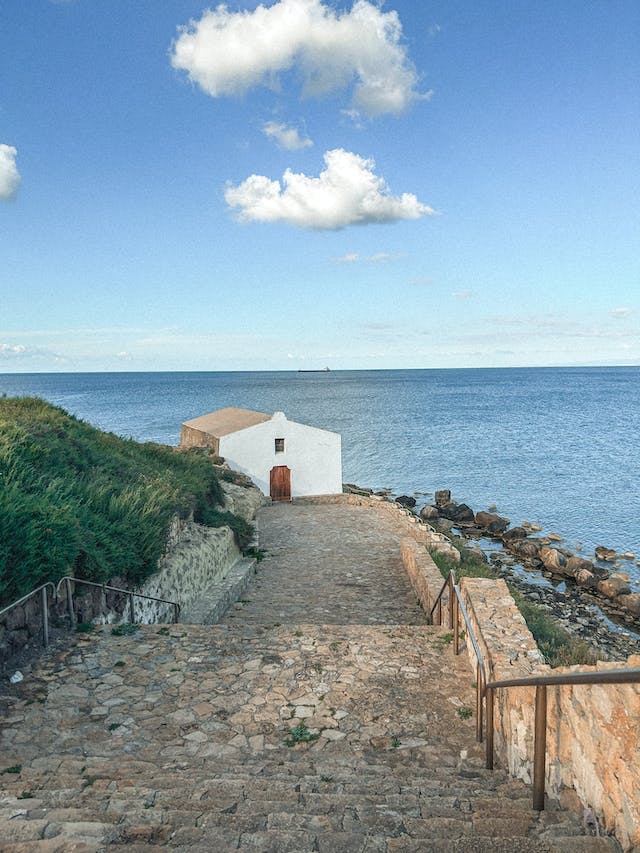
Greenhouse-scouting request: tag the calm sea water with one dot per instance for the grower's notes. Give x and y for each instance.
(555, 446)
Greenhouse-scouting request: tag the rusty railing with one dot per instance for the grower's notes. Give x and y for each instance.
(485, 690)
(68, 581)
(44, 607)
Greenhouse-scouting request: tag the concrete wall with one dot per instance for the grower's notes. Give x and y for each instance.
(313, 455)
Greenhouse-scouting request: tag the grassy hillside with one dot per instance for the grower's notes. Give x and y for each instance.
(73, 498)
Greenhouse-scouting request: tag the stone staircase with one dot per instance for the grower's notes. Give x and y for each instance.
(175, 737)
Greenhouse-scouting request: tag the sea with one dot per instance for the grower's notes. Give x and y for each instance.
(558, 446)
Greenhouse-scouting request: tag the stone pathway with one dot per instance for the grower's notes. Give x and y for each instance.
(276, 731)
(330, 563)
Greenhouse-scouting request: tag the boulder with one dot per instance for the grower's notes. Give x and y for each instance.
(405, 500)
(442, 497)
(630, 602)
(553, 560)
(577, 564)
(614, 586)
(586, 579)
(608, 555)
(514, 533)
(442, 524)
(528, 548)
(429, 512)
(491, 522)
(456, 512)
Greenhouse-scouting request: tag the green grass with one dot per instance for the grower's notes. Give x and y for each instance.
(75, 500)
(558, 647)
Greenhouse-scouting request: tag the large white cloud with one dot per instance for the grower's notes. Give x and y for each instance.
(9, 175)
(228, 53)
(347, 192)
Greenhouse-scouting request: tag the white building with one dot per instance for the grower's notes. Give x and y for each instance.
(284, 459)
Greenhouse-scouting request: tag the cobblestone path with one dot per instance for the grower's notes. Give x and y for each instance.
(340, 732)
(328, 564)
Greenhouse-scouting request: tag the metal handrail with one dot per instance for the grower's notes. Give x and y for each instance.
(44, 606)
(541, 682)
(103, 586)
(457, 606)
(485, 690)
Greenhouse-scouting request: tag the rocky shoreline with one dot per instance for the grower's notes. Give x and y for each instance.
(588, 599)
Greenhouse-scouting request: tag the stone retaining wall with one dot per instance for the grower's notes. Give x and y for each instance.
(593, 731)
(424, 575)
(198, 558)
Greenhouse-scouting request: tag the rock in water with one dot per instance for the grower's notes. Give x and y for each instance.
(456, 512)
(553, 560)
(491, 522)
(630, 602)
(405, 500)
(614, 586)
(515, 533)
(606, 554)
(428, 512)
(442, 497)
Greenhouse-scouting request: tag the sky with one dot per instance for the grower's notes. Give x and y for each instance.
(301, 184)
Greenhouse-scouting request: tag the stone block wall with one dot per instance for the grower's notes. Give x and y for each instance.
(198, 557)
(593, 731)
(423, 573)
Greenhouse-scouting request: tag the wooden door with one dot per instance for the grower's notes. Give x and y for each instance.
(280, 483)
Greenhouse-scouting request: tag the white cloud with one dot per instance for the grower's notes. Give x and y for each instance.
(228, 53)
(347, 192)
(621, 312)
(354, 258)
(9, 175)
(15, 352)
(286, 137)
(463, 294)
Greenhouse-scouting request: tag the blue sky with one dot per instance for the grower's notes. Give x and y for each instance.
(301, 184)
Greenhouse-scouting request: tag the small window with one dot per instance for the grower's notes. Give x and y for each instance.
(279, 445)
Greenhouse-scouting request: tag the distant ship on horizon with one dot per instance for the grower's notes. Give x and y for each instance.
(317, 370)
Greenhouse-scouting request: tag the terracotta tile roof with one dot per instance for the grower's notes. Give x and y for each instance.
(226, 421)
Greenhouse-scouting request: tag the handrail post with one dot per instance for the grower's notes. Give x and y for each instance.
(44, 605)
(540, 747)
(451, 596)
(176, 611)
(72, 615)
(479, 715)
(456, 623)
(440, 611)
(132, 609)
(489, 746)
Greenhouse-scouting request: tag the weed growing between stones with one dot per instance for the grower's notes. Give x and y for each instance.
(119, 663)
(300, 734)
(164, 631)
(15, 768)
(257, 554)
(395, 742)
(125, 629)
(464, 713)
(85, 627)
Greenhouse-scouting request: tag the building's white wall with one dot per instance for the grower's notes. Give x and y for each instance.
(313, 455)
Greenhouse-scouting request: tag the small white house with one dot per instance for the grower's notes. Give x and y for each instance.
(284, 459)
